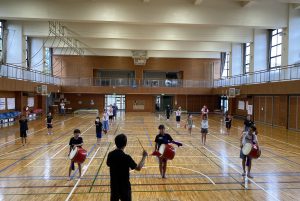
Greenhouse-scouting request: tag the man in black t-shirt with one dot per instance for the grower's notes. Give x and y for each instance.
(163, 138)
(75, 141)
(119, 165)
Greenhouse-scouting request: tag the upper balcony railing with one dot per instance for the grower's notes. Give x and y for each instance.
(286, 73)
(130, 82)
(18, 73)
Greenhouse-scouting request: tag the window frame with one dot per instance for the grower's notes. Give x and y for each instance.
(226, 66)
(246, 69)
(275, 36)
(1, 40)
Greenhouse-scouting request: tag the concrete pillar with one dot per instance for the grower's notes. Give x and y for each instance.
(260, 50)
(16, 46)
(236, 59)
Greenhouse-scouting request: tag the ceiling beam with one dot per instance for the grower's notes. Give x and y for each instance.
(131, 12)
(246, 3)
(198, 2)
(297, 6)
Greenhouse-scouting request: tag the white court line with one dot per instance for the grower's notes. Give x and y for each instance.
(24, 151)
(266, 137)
(231, 166)
(30, 133)
(68, 145)
(75, 186)
(39, 156)
(172, 166)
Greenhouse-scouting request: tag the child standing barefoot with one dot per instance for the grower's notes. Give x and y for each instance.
(204, 128)
(189, 123)
(178, 115)
(98, 125)
(23, 128)
(228, 120)
(49, 120)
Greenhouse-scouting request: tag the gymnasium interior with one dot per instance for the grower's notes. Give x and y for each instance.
(237, 57)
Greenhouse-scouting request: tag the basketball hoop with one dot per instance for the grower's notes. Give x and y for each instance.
(231, 93)
(139, 57)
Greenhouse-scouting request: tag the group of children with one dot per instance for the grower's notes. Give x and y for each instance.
(108, 116)
(23, 122)
(190, 123)
(249, 134)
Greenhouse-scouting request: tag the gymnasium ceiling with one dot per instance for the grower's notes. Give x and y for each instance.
(165, 28)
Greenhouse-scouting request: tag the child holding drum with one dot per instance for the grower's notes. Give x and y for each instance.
(248, 137)
(75, 141)
(163, 138)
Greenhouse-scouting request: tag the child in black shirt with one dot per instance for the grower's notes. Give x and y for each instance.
(98, 125)
(75, 141)
(49, 123)
(23, 129)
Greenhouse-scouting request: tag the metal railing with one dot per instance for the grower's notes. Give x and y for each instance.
(19, 73)
(286, 73)
(129, 82)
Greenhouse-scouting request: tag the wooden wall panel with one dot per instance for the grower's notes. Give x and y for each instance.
(298, 114)
(269, 109)
(26, 86)
(195, 103)
(256, 108)
(283, 112)
(272, 88)
(293, 112)
(85, 99)
(262, 108)
(149, 102)
(181, 101)
(276, 110)
(78, 66)
(138, 90)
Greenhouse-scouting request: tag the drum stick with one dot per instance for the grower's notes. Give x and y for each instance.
(140, 143)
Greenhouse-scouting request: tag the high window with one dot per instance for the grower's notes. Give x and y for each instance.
(1, 42)
(247, 57)
(275, 48)
(226, 66)
(48, 61)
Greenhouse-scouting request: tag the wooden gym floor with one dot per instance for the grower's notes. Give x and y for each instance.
(38, 170)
